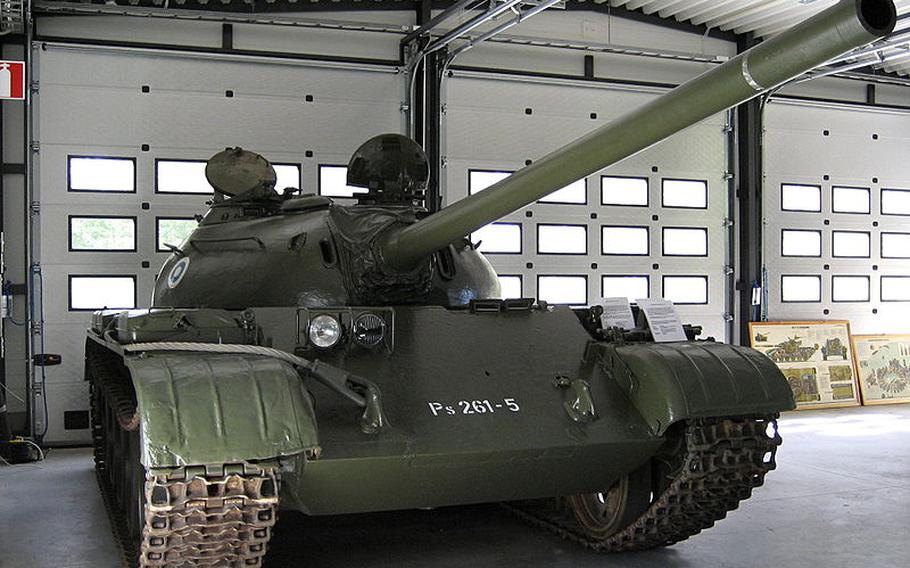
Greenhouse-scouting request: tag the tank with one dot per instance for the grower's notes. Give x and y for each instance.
(834, 348)
(792, 350)
(330, 359)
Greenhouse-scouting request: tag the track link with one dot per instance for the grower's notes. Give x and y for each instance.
(723, 460)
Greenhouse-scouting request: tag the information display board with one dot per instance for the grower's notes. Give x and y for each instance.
(883, 367)
(816, 358)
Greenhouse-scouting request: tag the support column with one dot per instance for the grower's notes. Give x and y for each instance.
(749, 184)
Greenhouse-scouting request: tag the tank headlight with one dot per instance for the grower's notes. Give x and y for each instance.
(324, 331)
(368, 329)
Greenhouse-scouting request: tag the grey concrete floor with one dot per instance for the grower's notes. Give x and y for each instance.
(839, 498)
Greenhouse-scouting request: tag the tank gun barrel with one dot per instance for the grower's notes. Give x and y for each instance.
(830, 33)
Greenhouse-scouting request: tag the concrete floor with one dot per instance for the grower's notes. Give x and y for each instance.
(839, 498)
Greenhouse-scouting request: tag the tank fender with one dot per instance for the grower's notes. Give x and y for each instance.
(214, 408)
(669, 382)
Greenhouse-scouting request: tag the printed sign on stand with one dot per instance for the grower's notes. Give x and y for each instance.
(663, 320)
(12, 80)
(617, 313)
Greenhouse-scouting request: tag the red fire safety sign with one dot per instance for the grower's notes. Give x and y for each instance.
(12, 80)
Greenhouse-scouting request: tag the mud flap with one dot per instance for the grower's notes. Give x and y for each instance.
(669, 382)
(205, 409)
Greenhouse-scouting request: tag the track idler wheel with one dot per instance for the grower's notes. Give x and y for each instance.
(601, 515)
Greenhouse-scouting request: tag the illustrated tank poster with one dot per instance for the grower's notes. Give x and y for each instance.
(883, 364)
(346, 358)
(814, 356)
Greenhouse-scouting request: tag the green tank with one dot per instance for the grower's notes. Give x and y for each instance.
(792, 350)
(349, 358)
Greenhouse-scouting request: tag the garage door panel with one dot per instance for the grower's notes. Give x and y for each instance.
(165, 72)
(801, 130)
(263, 123)
(116, 122)
(517, 133)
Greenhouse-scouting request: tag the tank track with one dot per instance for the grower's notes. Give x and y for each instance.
(723, 460)
(193, 516)
(209, 516)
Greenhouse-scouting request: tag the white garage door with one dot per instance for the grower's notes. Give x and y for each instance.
(123, 137)
(837, 215)
(650, 226)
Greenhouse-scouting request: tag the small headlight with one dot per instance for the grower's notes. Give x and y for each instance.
(368, 329)
(325, 331)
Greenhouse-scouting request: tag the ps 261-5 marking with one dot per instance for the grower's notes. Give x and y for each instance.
(509, 405)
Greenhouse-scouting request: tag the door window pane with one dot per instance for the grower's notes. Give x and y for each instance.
(795, 242)
(851, 244)
(333, 182)
(850, 288)
(288, 176)
(184, 176)
(685, 242)
(562, 239)
(624, 191)
(479, 180)
(896, 201)
(851, 199)
(173, 231)
(686, 289)
(795, 197)
(499, 238)
(895, 245)
(896, 288)
(102, 233)
(631, 287)
(692, 194)
(571, 290)
(625, 241)
(510, 287)
(98, 292)
(575, 193)
(87, 173)
(801, 289)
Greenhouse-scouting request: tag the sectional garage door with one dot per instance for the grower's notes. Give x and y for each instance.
(122, 138)
(653, 225)
(837, 215)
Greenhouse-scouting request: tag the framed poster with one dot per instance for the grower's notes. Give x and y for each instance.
(883, 367)
(815, 356)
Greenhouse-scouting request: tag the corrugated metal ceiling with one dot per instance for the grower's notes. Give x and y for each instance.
(763, 18)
